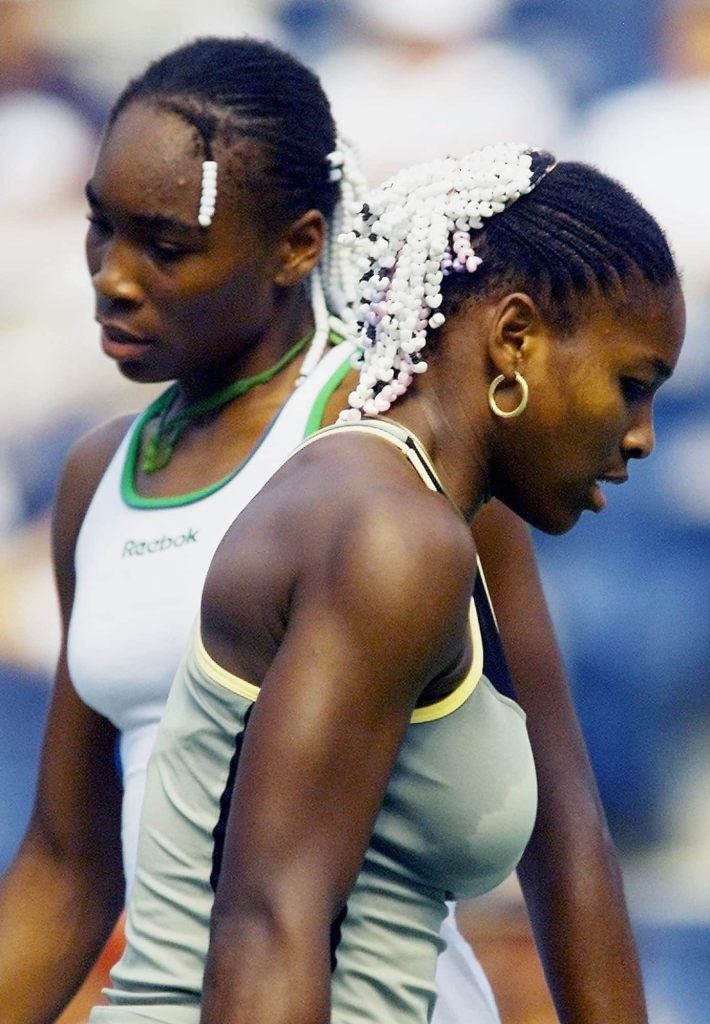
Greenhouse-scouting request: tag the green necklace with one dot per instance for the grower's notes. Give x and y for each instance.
(159, 448)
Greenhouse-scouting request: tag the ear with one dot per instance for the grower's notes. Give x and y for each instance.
(299, 248)
(517, 331)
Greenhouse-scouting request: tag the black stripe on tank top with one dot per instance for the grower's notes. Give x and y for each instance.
(336, 929)
(225, 802)
(495, 667)
(220, 829)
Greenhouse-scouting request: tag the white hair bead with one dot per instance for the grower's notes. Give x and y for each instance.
(415, 230)
(333, 282)
(349, 416)
(208, 193)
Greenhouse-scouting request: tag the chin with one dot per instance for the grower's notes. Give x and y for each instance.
(139, 373)
(558, 528)
(552, 509)
(549, 521)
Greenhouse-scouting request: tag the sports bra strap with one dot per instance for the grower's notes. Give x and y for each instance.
(407, 442)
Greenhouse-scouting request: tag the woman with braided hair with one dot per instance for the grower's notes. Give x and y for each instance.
(219, 193)
(218, 197)
(214, 209)
(340, 752)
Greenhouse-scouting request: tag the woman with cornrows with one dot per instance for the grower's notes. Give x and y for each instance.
(218, 195)
(340, 753)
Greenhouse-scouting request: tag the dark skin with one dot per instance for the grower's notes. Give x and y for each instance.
(308, 622)
(149, 284)
(569, 873)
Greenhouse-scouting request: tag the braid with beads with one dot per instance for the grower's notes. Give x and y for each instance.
(503, 218)
(236, 89)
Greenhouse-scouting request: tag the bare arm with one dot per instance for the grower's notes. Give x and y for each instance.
(64, 890)
(569, 873)
(359, 648)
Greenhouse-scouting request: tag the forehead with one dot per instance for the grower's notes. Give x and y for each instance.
(150, 165)
(150, 156)
(641, 323)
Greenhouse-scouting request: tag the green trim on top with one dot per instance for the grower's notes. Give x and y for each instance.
(315, 417)
(131, 496)
(159, 448)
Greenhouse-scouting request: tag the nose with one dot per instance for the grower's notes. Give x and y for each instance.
(114, 275)
(639, 440)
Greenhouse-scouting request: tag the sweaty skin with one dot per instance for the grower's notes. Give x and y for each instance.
(64, 892)
(70, 859)
(340, 598)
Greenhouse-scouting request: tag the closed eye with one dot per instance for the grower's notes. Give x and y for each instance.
(98, 224)
(168, 252)
(635, 390)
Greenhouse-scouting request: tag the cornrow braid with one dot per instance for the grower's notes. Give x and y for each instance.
(505, 217)
(230, 90)
(580, 231)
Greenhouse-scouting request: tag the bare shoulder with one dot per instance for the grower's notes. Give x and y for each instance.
(357, 497)
(345, 542)
(83, 468)
(354, 520)
(87, 462)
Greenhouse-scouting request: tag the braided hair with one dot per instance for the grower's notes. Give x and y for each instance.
(232, 90)
(503, 218)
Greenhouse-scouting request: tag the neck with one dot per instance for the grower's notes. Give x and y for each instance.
(458, 451)
(291, 319)
(177, 409)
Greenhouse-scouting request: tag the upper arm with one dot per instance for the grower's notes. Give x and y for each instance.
(77, 803)
(374, 617)
(80, 476)
(508, 558)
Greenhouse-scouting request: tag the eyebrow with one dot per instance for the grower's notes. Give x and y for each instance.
(155, 222)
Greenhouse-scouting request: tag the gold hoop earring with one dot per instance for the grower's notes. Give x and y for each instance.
(520, 407)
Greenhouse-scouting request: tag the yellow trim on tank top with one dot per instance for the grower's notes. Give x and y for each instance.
(217, 674)
(428, 713)
(453, 701)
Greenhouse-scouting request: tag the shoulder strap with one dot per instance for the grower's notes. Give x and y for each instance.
(407, 442)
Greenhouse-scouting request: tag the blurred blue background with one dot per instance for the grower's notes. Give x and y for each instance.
(624, 84)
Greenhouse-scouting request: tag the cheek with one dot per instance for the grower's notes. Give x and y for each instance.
(194, 310)
(597, 411)
(608, 421)
(92, 252)
(204, 312)
(239, 303)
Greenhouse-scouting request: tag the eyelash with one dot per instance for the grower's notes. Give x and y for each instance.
(166, 252)
(635, 390)
(98, 223)
(163, 252)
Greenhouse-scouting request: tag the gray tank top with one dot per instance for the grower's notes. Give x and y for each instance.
(457, 814)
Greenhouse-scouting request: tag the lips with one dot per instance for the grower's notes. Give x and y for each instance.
(597, 499)
(614, 478)
(119, 344)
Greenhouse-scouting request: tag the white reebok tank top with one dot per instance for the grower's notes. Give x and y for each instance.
(140, 567)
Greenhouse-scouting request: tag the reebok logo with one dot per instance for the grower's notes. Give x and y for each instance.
(164, 543)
